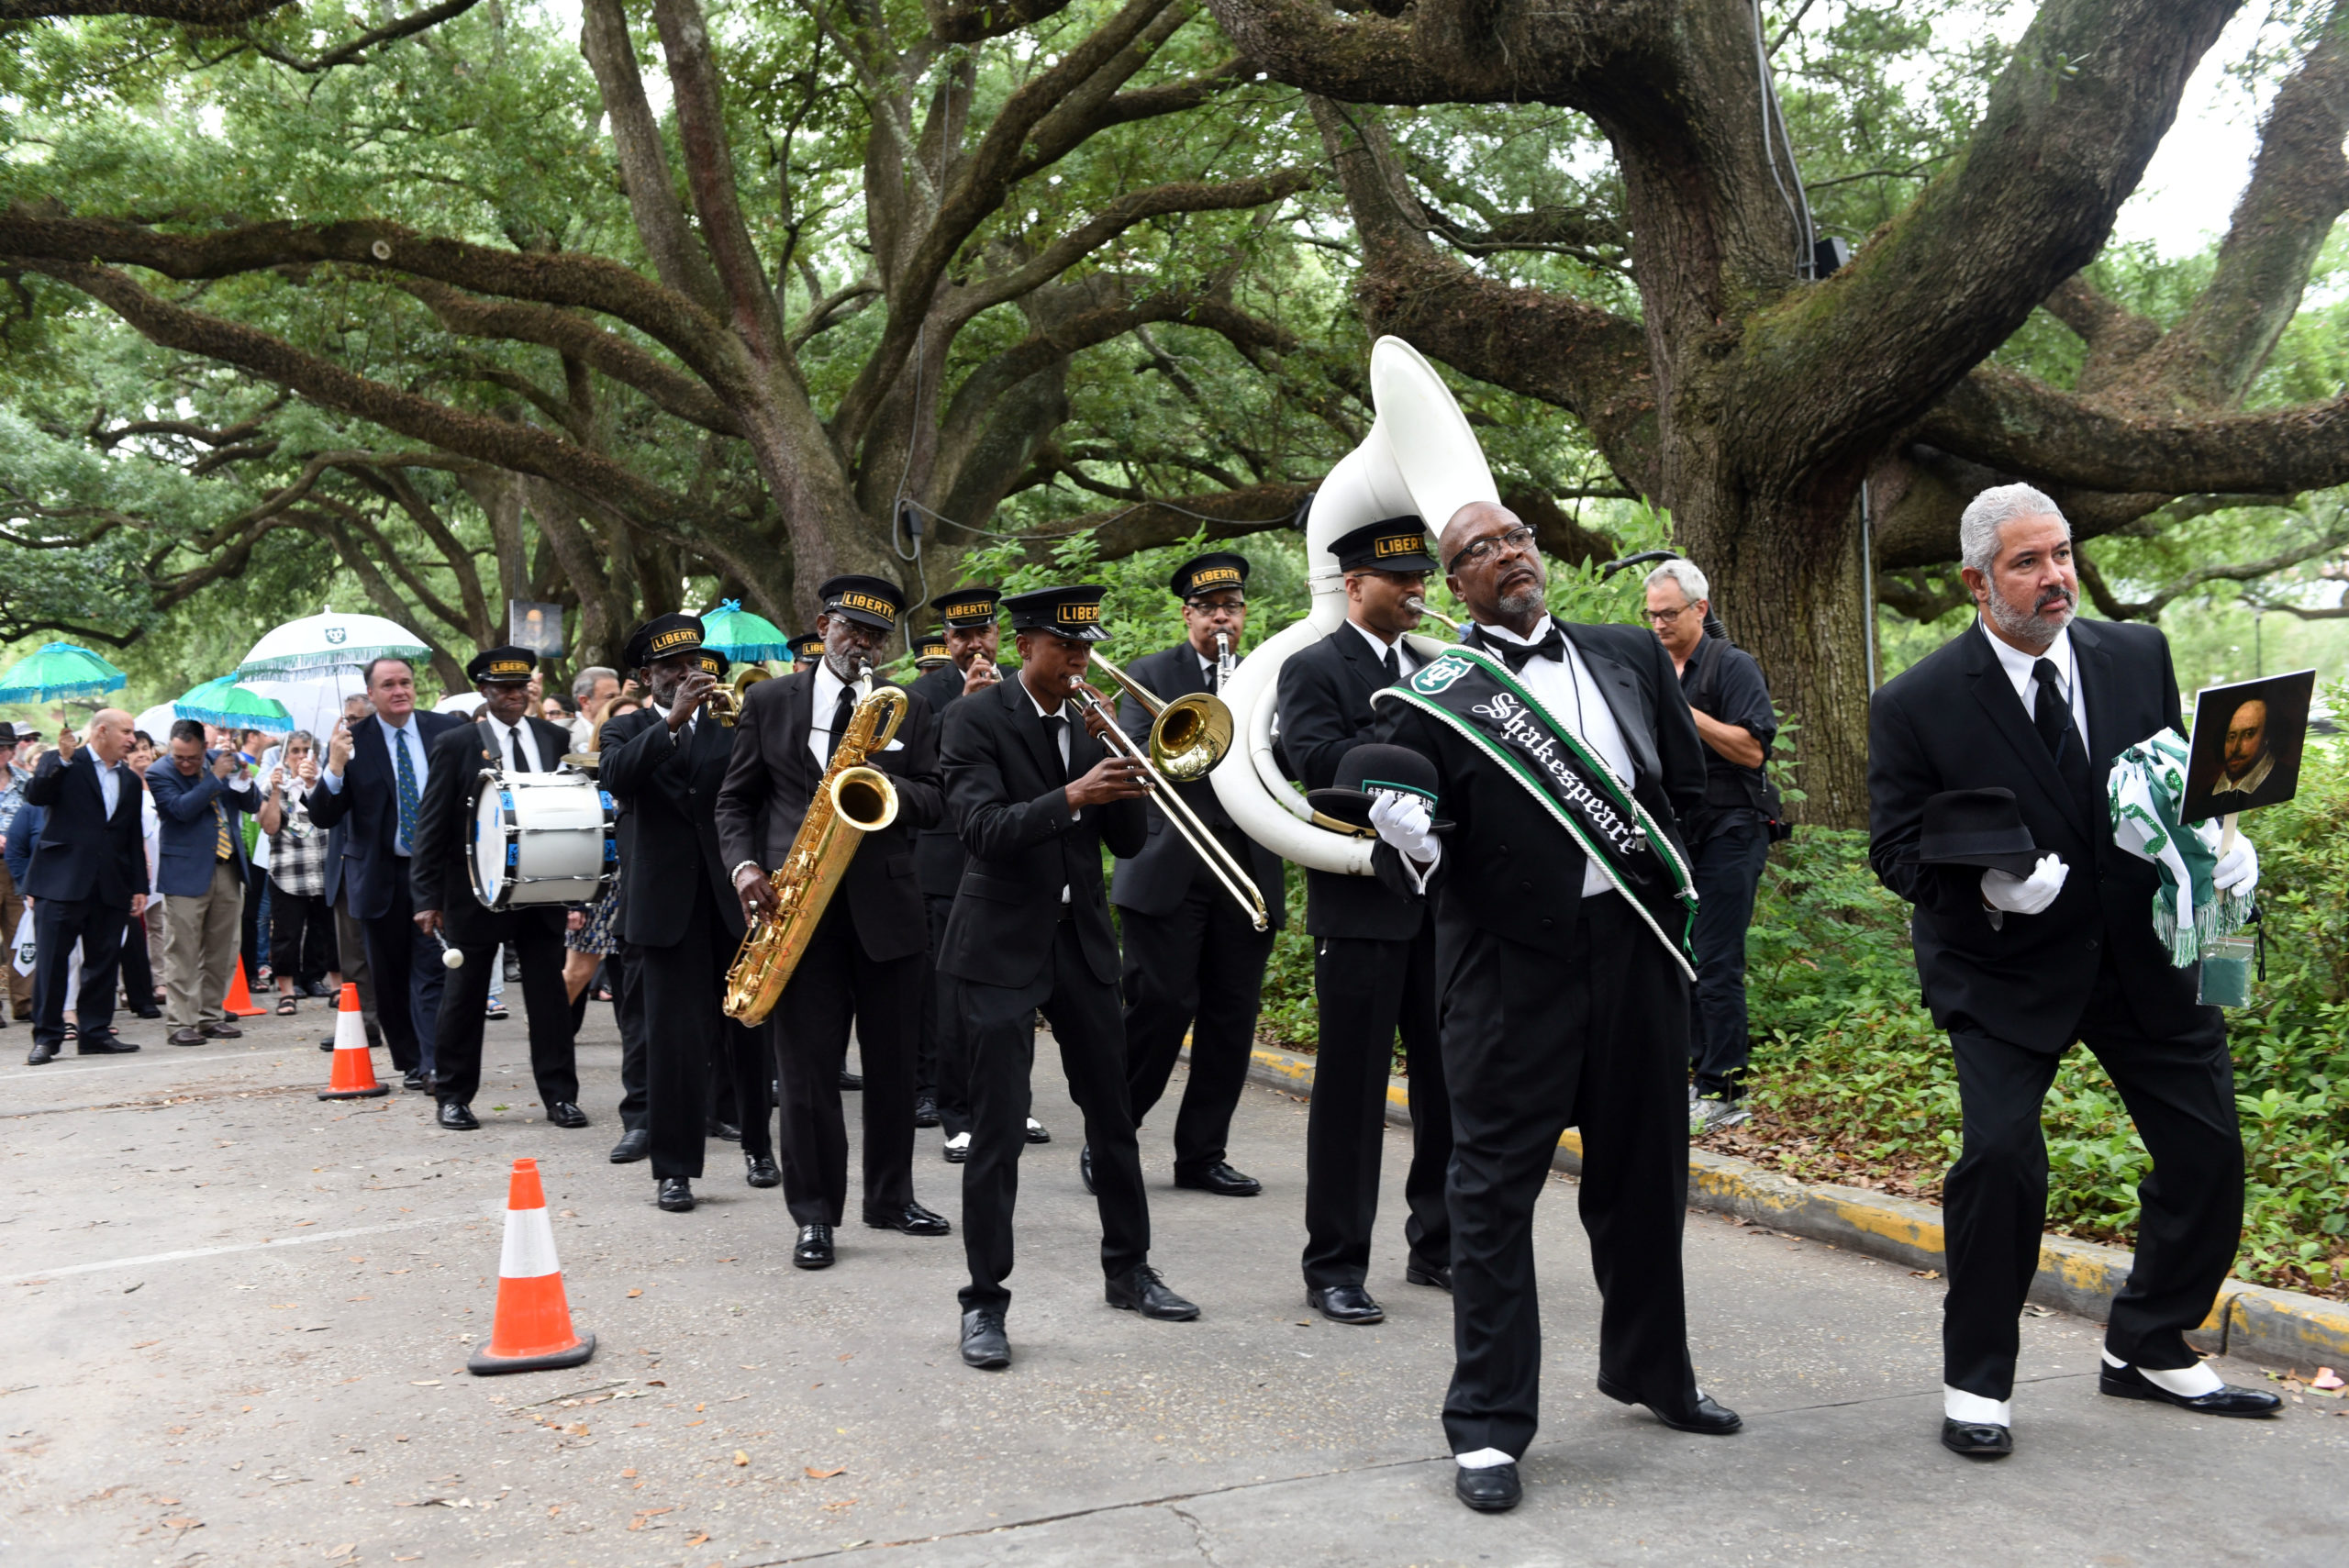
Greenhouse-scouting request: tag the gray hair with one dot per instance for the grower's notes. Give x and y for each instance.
(299, 738)
(1978, 525)
(1685, 572)
(582, 684)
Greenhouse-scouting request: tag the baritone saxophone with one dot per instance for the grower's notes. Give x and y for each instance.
(851, 801)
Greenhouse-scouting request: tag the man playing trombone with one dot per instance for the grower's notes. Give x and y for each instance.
(1194, 958)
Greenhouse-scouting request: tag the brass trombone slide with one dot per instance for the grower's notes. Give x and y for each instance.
(1187, 737)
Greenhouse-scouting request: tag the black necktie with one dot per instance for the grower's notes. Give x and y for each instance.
(1208, 674)
(1055, 726)
(2049, 711)
(1394, 667)
(1515, 654)
(840, 711)
(513, 752)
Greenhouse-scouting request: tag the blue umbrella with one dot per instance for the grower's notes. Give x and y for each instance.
(60, 670)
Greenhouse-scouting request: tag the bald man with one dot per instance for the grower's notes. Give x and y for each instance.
(88, 881)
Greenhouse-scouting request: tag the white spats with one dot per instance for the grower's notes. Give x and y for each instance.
(1975, 1410)
(2186, 1382)
(1483, 1459)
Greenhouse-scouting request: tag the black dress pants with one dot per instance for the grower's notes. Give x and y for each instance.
(625, 965)
(301, 937)
(2179, 1088)
(57, 924)
(405, 964)
(837, 986)
(1727, 869)
(690, 1042)
(138, 970)
(1532, 1046)
(1364, 990)
(1199, 968)
(536, 942)
(1001, 1034)
(943, 1031)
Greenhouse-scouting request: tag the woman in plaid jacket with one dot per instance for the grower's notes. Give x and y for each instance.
(301, 927)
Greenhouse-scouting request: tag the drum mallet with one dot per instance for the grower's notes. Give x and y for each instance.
(450, 957)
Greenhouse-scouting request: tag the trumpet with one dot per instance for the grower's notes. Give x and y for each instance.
(1419, 606)
(1187, 737)
(1225, 664)
(725, 704)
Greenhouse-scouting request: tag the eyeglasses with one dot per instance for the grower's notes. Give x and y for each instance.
(1519, 540)
(1665, 618)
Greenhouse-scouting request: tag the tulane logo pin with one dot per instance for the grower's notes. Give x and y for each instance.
(1440, 675)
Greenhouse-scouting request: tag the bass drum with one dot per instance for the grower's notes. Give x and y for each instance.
(541, 839)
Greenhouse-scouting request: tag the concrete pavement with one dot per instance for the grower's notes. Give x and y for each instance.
(239, 1315)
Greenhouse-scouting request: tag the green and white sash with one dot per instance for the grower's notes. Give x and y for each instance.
(2143, 792)
(1475, 694)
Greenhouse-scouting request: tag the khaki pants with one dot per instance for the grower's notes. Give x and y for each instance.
(12, 910)
(200, 936)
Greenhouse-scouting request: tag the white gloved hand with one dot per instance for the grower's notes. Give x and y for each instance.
(2025, 895)
(2238, 870)
(1403, 821)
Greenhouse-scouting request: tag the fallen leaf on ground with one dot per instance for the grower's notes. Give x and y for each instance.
(635, 1293)
(2326, 1378)
(816, 1474)
(182, 1524)
(741, 1458)
(424, 1383)
(345, 1550)
(628, 1474)
(699, 1538)
(1924, 1274)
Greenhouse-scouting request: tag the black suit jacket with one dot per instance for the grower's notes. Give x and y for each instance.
(772, 775)
(938, 849)
(441, 871)
(1004, 785)
(1952, 721)
(1507, 868)
(1325, 712)
(367, 807)
(1155, 881)
(82, 852)
(667, 792)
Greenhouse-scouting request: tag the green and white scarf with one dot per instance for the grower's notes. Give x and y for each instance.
(2145, 789)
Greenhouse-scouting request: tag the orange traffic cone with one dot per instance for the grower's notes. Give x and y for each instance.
(239, 1004)
(353, 1077)
(532, 1331)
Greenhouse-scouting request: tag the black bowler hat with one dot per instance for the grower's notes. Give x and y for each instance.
(875, 601)
(659, 638)
(1976, 827)
(1074, 612)
(8, 733)
(807, 647)
(1369, 771)
(1209, 573)
(967, 607)
(714, 662)
(929, 649)
(1392, 544)
(501, 666)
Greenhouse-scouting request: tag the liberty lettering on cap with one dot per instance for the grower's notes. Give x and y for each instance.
(1074, 612)
(496, 666)
(873, 601)
(661, 638)
(931, 652)
(1391, 544)
(966, 606)
(1209, 573)
(807, 647)
(712, 661)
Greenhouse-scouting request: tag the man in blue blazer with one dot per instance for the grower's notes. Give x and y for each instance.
(200, 868)
(374, 782)
(87, 880)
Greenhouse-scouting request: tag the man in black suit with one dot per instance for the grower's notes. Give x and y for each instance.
(1560, 917)
(87, 879)
(970, 634)
(862, 964)
(1037, 794)
(1373, 952)
(373, 783)
(1191, 952)
(678, 912)
(505, 735)
(2016, 967)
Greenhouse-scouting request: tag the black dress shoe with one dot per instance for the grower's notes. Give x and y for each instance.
(851, 1080)
(1976, 1440)
(955, 1151)
(1085, 1167)
(1422, 1273)
(2227, 1399)
(676, 1194)
(413, 1079)
(760, 1170)
(107, 1044)
(458, 1116)
(1704, 1417)
(984, 1344)
(147, 1012)
(185, 1036)
(1142, 1291)
(223, 1032)
(713, 1127)
(1038, 1132)
(634, 1145)
(562, 1112)
(1344, 1304)
(1492, 1490)
(42, 1053)
(327, 1044)
(815, 1247)
(926, 1110)
(913, 1220)
(1221, 1180)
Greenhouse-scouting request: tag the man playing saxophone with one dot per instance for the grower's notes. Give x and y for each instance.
(863, 962)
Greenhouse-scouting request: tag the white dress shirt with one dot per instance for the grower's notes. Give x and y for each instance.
(109, 783)
(516, 740)
(829, 687)
(1404, 662)
(1571, 694)
(2018, 666)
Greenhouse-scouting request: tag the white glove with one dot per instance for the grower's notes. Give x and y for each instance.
(1403, 821)
(2025, 895)
(2238, 870)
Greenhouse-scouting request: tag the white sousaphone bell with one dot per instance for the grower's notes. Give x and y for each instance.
(1419, 457)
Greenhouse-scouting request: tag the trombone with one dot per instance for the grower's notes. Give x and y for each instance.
(1187, 737)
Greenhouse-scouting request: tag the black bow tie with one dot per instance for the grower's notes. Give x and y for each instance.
(1552, 645)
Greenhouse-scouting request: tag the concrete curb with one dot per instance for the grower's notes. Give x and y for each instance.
(2282, 1328)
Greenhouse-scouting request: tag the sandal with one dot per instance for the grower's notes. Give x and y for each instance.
(285, 1006)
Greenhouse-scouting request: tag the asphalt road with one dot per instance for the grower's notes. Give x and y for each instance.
(238, 1319)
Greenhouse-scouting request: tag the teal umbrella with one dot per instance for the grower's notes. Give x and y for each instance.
(741, 636)
(60, 670)
(232, 706)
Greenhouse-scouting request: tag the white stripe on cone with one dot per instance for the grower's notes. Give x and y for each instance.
(529, 1251)
(350, 1029)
